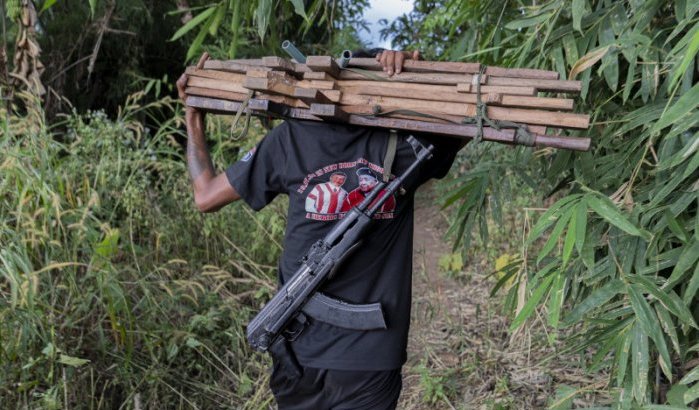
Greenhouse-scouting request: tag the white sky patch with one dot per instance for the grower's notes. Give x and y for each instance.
(382, 9)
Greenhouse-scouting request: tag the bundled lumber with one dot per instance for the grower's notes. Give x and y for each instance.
(449, 98)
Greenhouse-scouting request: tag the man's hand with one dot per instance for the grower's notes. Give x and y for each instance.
(392, 61)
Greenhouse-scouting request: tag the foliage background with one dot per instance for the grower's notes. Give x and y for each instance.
(97, 203)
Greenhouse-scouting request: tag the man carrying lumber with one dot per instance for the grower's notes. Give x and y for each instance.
(333, 367)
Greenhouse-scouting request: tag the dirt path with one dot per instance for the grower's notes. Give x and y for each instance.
(460, 352)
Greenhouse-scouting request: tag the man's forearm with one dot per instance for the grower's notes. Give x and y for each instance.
(198, 158)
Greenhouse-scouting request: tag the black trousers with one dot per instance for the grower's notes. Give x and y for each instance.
(325, 389)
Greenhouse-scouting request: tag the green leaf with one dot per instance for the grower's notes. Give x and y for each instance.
(532, 302)
(692, 287)
(191, 24)
(48, 3)
(675, 226)
(606, 209)
(649, 324)
(217, 19)
(570, 237)
(72, 361)
(623, 350)
(690, 377)
(578, 14)
(564, 398)
(685, 105)
(196, 44)
(528, 21)
(550, 216)
(687, 260)
(639, 363)
(300, 9)
(691, 394)
(262, 16)
(597, 298)
(668, 327)
(580, 225)
(93, 7)
(675, 396)
(555, 235)
(109, 246)
(688, 58)
(556, 301)
(677, 309)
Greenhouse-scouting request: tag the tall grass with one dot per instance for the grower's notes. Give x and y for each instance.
(114, 291)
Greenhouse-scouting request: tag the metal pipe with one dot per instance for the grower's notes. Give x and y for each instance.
(294, 52)
(344, 59)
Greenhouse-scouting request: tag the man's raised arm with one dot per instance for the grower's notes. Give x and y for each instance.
(212, 191)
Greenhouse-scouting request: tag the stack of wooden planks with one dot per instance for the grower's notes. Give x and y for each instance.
(428, 96)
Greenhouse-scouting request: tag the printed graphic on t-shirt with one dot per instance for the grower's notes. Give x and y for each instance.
(333, 190)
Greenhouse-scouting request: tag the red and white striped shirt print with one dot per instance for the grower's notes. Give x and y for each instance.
(325, 198)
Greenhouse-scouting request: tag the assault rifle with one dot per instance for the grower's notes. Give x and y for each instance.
(282, 315)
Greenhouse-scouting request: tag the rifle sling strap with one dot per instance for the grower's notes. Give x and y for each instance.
(390, 155)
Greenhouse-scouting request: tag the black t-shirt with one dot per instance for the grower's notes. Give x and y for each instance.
(325, 169)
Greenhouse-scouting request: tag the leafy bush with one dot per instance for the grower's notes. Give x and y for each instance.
(114, 290)
(617, 264)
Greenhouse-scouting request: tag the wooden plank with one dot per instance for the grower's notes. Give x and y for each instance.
(216, 84)
(311, 95)
(332, 95)
(234, 66)
(536, 117)
(468, 88)
(436, 89)
(451, 96)
(279, 64)
(214, 74)
(544, 85)
(324, 64)
(274, 85)
(207, 92)
(318, 84)
(467, 131)
(318, 75)
(329, 111)
(418, 66)
(424, 78)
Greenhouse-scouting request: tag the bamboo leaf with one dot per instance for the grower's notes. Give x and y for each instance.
(578, 14)
(685, 105)
(93, 7)
(532, 302)
(691, 290)
(677, 309)
(686, 260)
(675, 226)
(690, 377)
(691, 394)
(549, 217)
(580, 225)
(588, 60)
(555, 235)
(639, 363)
(570, 237)
(191, 24)
(689, 55)
(557, 291)
(623, 356)
(48, 3)
(668, 327)
(604, 208)
(649, 324)
(596, 299)
(528, 22)
(300, 9)
(262, 16)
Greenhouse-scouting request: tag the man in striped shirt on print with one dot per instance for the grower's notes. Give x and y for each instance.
(327, 197)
